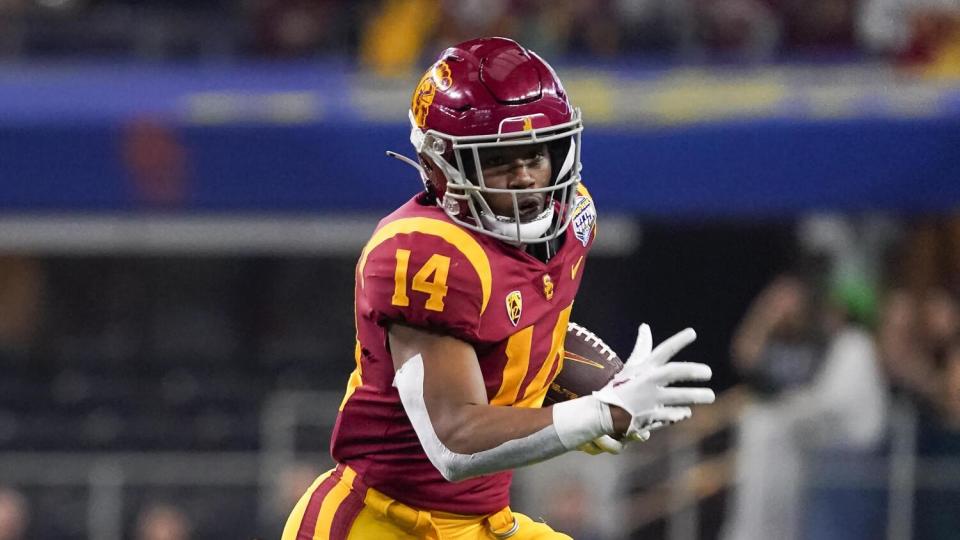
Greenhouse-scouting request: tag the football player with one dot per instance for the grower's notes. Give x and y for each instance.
(463, 296)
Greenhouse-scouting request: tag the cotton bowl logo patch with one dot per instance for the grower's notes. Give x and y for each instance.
(584, 218)
(514, 306)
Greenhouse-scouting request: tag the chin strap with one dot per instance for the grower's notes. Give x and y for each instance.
(531, 230)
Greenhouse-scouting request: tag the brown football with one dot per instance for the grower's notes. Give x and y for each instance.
(588, 364)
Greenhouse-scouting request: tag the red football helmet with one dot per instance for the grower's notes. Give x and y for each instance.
(492, 92)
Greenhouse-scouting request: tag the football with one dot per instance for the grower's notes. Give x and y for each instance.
(588, 364)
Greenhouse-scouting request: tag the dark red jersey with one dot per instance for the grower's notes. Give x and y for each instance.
(422, 269)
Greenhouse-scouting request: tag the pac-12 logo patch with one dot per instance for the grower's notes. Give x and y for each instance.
(584, 218)
(514, 306)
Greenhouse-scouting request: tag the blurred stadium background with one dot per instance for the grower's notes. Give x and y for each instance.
(185, 187)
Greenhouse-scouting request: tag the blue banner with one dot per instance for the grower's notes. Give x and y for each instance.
(296, 138)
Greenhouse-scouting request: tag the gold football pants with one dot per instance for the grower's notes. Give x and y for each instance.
(339, 507)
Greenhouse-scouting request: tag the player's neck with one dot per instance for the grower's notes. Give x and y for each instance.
(544, 251)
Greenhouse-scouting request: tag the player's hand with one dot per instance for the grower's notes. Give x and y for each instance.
(642, 388)
(603, 444)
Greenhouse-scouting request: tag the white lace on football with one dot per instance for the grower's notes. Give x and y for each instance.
(591, 337)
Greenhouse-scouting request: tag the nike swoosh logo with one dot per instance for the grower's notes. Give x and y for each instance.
(574, 268)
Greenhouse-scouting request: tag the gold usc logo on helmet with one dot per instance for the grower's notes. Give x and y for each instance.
(441, 75)
(438, 76)
(514, 306)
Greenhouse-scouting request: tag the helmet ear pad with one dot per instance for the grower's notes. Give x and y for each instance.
(435, 180)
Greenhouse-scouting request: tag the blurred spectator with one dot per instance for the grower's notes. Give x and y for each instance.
(392, 34)
(653, 25)
(920, 346)
(396, 34)
(11, 26)
(951, 395)
(292, 28)
(929, 255)
(161, 521)
(596, 29)
(741, 28)
(14, 515)
(21, 303)
(914, 336)
(939, 422)
(909, 367)
(920, 316)
(466, 19)
(542, 26)
(801, 351)
(775, 348)
(9, 8)
(816, 25)
(887, 26)
(919, 32)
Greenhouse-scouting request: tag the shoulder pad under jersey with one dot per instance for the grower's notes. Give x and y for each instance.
(425, 272)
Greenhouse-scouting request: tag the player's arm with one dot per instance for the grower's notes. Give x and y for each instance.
(442, 391)
(456, 398)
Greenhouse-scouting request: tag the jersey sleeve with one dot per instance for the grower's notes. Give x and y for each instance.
(432, 280)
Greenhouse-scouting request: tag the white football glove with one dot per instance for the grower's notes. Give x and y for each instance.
(603, 444)
(606, 444)
(642, 386)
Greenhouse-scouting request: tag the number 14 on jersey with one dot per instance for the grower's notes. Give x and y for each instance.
(431, 279)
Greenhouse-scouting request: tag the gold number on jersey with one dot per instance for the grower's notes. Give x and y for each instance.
(430, 279)
(518, 353)
(400, 279)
